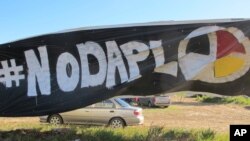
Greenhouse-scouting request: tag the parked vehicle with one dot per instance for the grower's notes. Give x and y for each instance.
(160, 101)
(131, 101)
(113, 112)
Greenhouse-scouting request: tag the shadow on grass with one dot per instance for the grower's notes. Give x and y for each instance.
(247, 107)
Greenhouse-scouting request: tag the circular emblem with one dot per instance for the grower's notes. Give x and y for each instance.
(214, 54)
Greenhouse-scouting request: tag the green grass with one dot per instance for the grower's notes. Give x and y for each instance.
(91, 133)
(241, 100)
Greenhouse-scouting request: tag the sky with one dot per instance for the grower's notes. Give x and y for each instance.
(25, 18)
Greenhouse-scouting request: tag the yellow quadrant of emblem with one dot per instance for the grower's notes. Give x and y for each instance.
(227, 65)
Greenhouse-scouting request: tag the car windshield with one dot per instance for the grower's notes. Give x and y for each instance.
(122, 103)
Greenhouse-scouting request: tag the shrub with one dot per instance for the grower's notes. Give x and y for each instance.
(241, 100)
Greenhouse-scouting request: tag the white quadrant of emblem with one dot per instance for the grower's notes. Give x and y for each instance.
(192, 64)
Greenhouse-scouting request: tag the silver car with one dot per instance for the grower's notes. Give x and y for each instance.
(113, 112)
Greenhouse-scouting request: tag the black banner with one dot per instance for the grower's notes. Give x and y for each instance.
(68, 70)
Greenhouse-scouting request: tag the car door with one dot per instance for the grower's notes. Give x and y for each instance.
(82, 115)
(103, 112)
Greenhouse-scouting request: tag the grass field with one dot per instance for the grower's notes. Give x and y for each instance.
(185, 120)
(33, 132)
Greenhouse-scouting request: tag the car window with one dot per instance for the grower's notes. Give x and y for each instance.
(122, 103)
(105, 104)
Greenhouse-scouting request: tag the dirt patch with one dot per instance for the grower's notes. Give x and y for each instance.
(189, 113)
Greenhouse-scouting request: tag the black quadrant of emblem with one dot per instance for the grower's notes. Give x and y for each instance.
(199, 44)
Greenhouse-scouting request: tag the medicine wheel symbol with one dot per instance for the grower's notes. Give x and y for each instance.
(214, 54)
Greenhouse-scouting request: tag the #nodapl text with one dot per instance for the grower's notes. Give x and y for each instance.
(68, 69)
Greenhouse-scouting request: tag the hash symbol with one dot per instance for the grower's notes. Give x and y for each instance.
(9, 74)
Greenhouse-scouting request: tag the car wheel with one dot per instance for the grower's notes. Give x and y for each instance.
(55, 119)
(116, 123)
(150, 104)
